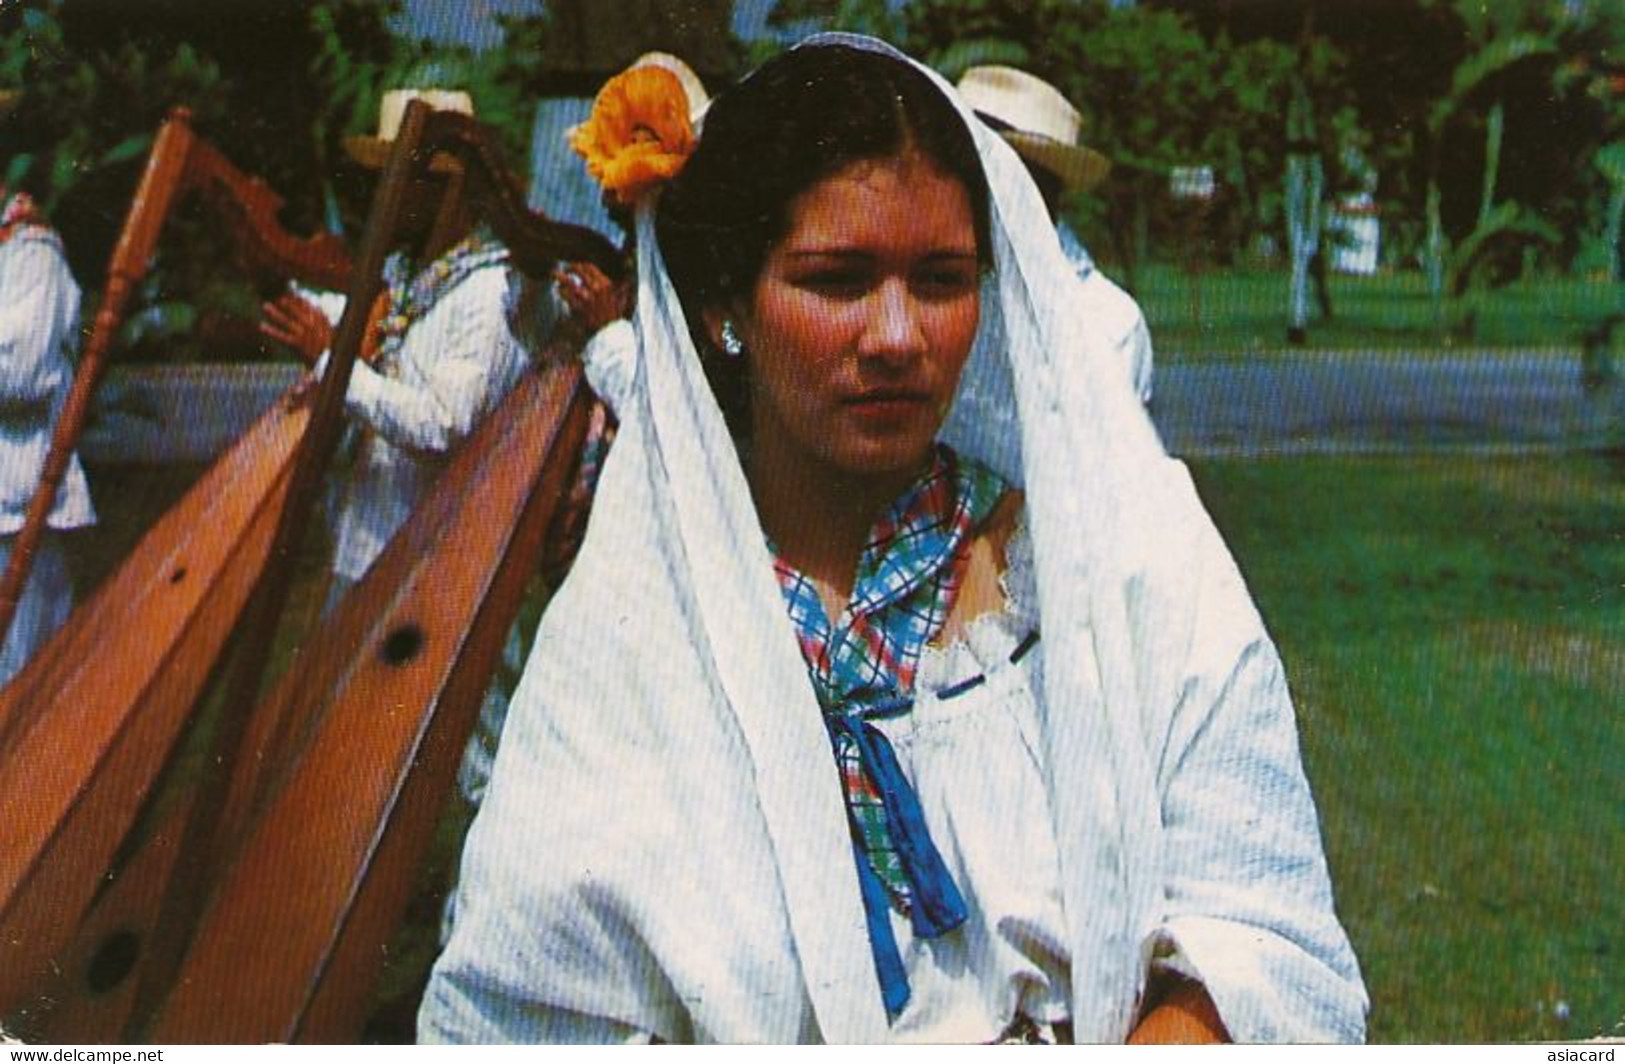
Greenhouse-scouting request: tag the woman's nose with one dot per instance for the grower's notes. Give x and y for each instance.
(893, 331)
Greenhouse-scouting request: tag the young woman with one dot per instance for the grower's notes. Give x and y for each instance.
(902, 689)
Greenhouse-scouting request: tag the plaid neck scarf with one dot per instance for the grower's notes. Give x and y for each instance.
(862, 668)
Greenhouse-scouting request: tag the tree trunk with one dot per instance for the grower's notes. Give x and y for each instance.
(1433, 254)
(1612, 230)
(1492, 160)
(1304, 180)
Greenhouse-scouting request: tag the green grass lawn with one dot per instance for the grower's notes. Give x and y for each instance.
(1455, 633)
(1454, 629)
(1244, 311)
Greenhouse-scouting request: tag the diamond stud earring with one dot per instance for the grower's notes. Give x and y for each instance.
(732, 345)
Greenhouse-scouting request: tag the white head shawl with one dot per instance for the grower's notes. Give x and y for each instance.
(665, 772)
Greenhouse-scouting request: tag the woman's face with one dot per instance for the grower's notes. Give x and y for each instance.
(861, 320)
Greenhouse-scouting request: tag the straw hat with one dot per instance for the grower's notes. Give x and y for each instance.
(372, 151)
(1037, 121)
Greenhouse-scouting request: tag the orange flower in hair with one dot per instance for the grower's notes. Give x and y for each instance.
(639, 134)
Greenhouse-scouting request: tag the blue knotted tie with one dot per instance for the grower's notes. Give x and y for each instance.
(935, 904)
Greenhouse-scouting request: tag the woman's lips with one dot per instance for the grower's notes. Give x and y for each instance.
(887, 403)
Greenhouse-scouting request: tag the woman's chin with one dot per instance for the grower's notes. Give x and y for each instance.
(889, 461)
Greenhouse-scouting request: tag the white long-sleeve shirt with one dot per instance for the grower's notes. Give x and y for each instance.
(453, 368)
(39, 322)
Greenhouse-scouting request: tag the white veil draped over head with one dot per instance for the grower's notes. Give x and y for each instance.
(665, 844)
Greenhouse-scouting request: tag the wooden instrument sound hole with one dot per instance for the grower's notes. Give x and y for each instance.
(114, 959)
(403, 644)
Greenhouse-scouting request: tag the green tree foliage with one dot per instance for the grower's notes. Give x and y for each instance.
(1506, 110)
(354, 58)
(953, 35)
(79, 141)
(792, 19)
(1481, 120)
(1513, 91)
(1611, 163)
(873, 17)
(274, 84)
(1594, 72)
(1455, 268)
(1155, 93)
(573, 46)
(1427, 72)
(87, 119)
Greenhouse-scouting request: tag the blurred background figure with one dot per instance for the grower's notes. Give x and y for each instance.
(1305, 189)
(1045, 130)
(443, 345)
(39, 330)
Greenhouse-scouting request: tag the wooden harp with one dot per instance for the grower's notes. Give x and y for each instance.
(90, 722)
(299, 850)
(180, 162)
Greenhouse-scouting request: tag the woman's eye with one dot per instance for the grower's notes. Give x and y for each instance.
(946, 280)
(836, 282)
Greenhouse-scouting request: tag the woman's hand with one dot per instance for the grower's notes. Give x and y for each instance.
(296, 323)
(594, 300)
(1184, 1017)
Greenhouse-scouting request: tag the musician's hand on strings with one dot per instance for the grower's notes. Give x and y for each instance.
(594, 300)
(297, 324)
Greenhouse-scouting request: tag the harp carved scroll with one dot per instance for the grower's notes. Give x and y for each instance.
(180, 162)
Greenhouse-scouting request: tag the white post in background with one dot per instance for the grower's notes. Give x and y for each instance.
(1193, 189)
(1305, 182)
